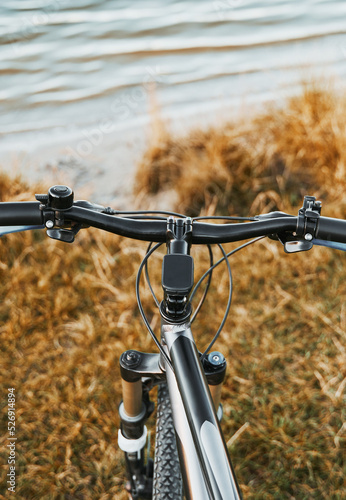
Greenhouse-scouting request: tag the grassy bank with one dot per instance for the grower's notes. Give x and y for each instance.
(255, 164)
(67, 313)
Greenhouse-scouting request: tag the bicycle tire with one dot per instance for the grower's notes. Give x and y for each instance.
(167, 482)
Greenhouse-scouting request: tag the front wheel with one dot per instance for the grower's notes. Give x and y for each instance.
(167, 483)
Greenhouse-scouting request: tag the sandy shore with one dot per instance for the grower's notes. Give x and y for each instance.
(100, 162)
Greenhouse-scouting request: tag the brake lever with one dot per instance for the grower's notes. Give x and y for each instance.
(302, 239)
(54, 206)
(66, 235)
(296, 245)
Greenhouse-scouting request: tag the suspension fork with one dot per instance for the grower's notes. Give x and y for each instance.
(134, 410)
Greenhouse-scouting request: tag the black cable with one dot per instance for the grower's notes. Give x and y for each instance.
(141, 310)
(143, 212)
(228, 304)
(148, 278)
(210, 270)
(221, 260)
(223, 217)
(208, 273)
(211, 262)
(144, 217)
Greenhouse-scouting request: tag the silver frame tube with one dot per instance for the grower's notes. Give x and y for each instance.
(206, 467)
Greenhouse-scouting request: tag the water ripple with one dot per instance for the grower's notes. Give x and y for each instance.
(72, 58)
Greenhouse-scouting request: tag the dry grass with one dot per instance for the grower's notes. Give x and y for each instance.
(257, 164)
(69, 311)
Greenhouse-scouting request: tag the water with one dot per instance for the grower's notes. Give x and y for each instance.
(79, 77)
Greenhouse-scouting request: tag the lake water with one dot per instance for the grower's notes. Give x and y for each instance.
(79, 77)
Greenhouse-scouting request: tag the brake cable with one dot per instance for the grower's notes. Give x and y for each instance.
(225, 258)
(141, 310)
(208, 273)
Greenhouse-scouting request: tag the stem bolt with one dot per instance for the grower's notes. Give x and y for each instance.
(308, 237)
(49, 224)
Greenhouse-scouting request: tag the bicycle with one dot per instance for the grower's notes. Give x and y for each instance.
(191, 457)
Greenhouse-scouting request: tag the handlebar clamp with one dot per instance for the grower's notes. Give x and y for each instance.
(308, 217)
(53, 205)
(307, 225)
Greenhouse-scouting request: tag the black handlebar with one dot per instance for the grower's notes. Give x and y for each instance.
(29, 213)
(331, 229)
(226, 233)
(20, 213)
(202, 233)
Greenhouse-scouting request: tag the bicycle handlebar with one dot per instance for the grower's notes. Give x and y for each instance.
(29, 213)
(330, 229)
(20, 213)
(202, 233)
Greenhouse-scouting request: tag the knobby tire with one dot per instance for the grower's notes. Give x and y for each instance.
(167, 483)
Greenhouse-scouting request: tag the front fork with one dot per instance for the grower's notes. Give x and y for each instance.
(140, 372)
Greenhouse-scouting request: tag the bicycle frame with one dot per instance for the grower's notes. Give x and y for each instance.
(205, 465)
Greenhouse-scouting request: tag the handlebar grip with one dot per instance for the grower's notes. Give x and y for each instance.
(331, 229)
(20, 213)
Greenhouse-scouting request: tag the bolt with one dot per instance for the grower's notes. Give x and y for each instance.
(308, 237)
(131, 358)
(216, 359)
(61, 189)
(49, 224)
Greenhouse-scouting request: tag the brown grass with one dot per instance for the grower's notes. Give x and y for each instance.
(69, 311)
(257, 164)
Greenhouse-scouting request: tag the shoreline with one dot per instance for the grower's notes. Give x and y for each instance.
(100, 163)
